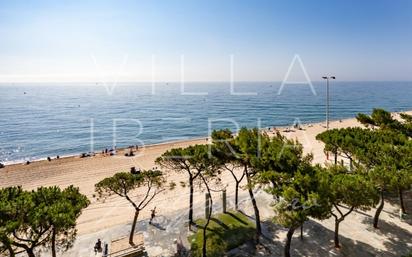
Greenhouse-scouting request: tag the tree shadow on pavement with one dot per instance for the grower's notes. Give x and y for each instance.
(397, 239)
(318, 241)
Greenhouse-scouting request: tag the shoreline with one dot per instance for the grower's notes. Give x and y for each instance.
(75, 155)
(86, 172)
(122, 149)
(165, 143)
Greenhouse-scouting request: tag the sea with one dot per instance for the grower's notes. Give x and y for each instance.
(38, 120)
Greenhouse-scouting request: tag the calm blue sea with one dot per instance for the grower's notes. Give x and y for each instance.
(40, 120)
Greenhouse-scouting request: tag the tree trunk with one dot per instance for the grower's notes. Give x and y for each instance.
(255, 208)
(30, 252)
(136, 214)
(257, 215)
(204, 249)
(53, 246)
(301, 232)
(378, 211)
(289, 241)
(11, 251)
(191, 203)
(237, 196)
(401, 201)
(336, 239)
(336, 158)
(209, 214)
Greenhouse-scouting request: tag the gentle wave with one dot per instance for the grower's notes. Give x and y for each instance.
(56, 119)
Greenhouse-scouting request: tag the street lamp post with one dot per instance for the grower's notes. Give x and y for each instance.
(327, 99)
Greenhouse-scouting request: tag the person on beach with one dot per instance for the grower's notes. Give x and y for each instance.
(49, 159)
(98, 246)
(153, 215)
(134, 171)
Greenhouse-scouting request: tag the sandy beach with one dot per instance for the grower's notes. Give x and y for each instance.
(96, 91)
(86, 172)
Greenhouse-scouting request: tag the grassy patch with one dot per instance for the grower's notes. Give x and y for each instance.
(225, 232)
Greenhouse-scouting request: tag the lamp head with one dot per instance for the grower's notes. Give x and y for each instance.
(333, 77)
(324, 77)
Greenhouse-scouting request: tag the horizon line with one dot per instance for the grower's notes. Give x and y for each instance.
(192, 81)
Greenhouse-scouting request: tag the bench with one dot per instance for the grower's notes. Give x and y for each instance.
(121, 247)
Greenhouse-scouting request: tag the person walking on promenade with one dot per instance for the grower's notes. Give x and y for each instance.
(153, 215)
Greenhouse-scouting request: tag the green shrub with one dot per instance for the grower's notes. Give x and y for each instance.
(225, 232)
(407, 255)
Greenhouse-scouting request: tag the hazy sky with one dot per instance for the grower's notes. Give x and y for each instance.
(136, 40)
